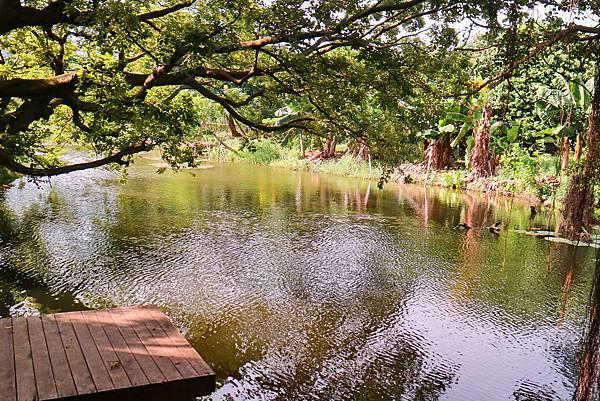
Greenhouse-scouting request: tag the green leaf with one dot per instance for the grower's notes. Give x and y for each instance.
(556, 131)
(550, 132)
(576, 93)
(512, 133)
(456, 116)
(495, 127)
(461, 133)
(567, 93)
(446, 129)
(589, 85)
(429, 134)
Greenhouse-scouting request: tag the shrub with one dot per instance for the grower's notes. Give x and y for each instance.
(452, 179)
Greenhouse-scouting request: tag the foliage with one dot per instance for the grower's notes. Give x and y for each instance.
(453, 179)
(525, 172)
(125, 77)
(262, 151)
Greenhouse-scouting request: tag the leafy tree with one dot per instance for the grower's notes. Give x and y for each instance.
(122, 77)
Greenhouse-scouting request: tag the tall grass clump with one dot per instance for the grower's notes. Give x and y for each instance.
(349, 166)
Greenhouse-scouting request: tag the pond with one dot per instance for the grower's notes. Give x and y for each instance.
(298, 286)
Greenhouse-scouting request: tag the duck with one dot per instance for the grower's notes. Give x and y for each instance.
(495, 228)
(462, 226)
(532, 211)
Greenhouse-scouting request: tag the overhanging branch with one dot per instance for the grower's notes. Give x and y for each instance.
(229, 106)
(53, 86)
(13, 15)
(118, 158)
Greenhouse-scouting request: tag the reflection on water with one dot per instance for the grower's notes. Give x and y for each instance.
(301, 286)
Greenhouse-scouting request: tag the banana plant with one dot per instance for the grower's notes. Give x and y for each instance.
(568, 105)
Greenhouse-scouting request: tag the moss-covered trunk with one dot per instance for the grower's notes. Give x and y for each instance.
(579, 201)
(438, 154)
(480, 159)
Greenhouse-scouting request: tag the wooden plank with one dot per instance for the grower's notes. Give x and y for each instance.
(90, 352)
(80, 372)
(65, 386)
(8, 387)
(165, 344)
(25, 375)
(156, 348)
(44, 377)
(184, 347)
(118, 354)
(137, 348)
(129, 363)
(109, 357)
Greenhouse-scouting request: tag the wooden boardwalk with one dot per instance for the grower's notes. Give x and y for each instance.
(116, 354)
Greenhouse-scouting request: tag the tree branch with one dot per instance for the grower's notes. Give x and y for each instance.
(162, 12)
(237, 77)
(533, 52)
(227, 105)
(13, 15)
(53, 86)
(118, 158)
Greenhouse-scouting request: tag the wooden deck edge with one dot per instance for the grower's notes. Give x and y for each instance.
(174, 390)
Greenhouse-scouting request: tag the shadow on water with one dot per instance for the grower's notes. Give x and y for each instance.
(294, 285)
(23, 290)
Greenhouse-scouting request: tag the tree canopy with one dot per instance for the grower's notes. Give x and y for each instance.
(123, 77)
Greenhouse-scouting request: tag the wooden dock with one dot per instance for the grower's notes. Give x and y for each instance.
(114, 354)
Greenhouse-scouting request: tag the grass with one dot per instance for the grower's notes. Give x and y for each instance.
(268, 153)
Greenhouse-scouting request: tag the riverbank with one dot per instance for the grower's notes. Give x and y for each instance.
(534, 180)
(266, 153)
(537, 189)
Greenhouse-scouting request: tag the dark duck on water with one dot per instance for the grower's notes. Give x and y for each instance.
(462, 226)
(495, 228)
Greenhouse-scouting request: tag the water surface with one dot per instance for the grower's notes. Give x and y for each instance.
(298, 286)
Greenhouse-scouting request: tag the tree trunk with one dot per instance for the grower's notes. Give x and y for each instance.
(578, 146)
(232, 128)
(439, 153)
(481, 161)
(360, 150)
(566, 151)
(579, 200)
(588, 385)
(329, 150)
